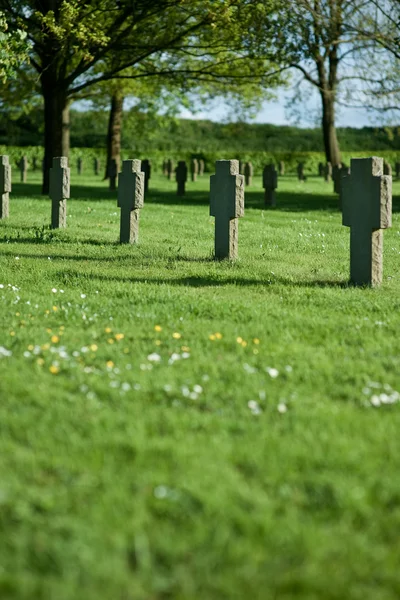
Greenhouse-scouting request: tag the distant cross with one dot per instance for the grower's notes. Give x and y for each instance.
(181, 177)
(387, 168)
(367, 210)
(270, 183)
(96, 166)
(170, 168)
(146, 169)
(248, 173)
(5, 186)
(130, 200)
(80, 165)
(194, 169)
(226, 205)
(23, 168)
(201, 167)
(300, 171)
(112, 174)
(328, 172)
(321, 169)
(281, 167)
(59, 191)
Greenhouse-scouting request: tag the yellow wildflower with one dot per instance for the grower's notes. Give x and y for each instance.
(108, 330)
(93, 347)
(12, 333)
(119, 336)
(55, 308)
(218, 336)
(40, 361)
(53, 369)
(54, 339)
(239, 340)
(110, 341)
(256, 341)
(109, 364)
(176, 336)
(211, 337)
(158, 328)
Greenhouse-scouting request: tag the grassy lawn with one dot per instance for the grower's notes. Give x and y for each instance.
(172, 427)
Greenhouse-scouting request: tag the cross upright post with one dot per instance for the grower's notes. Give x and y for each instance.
(367, 210)
(328, 172)
(146, 169)
(23, 167)
(194, 169)
(270, 183)
(130, 200)
(181, 177)
(59, 191)
(248, 173)
(5, 186)
(226, 205)
(281, 167)
(201, 167)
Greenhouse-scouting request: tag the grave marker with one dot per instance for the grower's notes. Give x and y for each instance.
(96, 166)
(248, 173)
(130, 200)
(321, 169)
(194, 168)
(270, 183)
(181, 177)
(23, 168)
(59, 191)
(5, 186)
(226, 205)
(146, 169)
(170, 168)
(387, 168)
(201, 166)
(300, 172)
(367, 210)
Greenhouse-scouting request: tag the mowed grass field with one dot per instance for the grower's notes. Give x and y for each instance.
(172, 427)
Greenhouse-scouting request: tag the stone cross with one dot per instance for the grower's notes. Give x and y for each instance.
(387, 168)
(248, 173)
(321, 169)
(59, 191)
(96, 166)
(112, 174)
(328, 172)
(226, 205)
(281, 167)
(23, 168)
(194, 168)
(367, 210)
(300, 171)
(181, 177)
(170, 168)
(5, 186)
(201, 166)
(270, 183)
(130, 200)
(146, 169)
(79, 165)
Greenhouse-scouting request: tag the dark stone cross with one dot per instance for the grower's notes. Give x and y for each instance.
(248, 173)
(23, 168)
(270, 183)
(300, 171)
(5, 186)
(321, 169)
(226, 205)
(181, 177)
(130, 200)
(194, 169)
(367, 210)
(146, 169)
(59, 191)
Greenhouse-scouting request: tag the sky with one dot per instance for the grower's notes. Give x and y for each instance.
(274, 112)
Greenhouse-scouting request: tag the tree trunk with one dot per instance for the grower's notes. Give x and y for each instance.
(56, 126)
(114, 132)
(331, 144)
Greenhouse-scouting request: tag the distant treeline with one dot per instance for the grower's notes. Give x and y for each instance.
(147, 133)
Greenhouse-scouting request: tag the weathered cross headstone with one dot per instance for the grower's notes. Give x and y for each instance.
(226, 205)
(397, 170)
(328, 172)
(201, 166)
(170, 168)
(79, 164)
(23, 168)
(130, 200)
(248, 173)
(146, 169)
(96, 166)
(194, 168)
(270, 183)
(367, 210)
(59, 191)
(281, 167)
(321, 169)
(5, 186)
(300, 171)
(112, 174)
(181, 177)
(387, 168)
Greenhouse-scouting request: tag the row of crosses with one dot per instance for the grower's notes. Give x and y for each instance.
(366, 195)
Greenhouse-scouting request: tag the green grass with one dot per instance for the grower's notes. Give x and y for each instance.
(126, 478)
